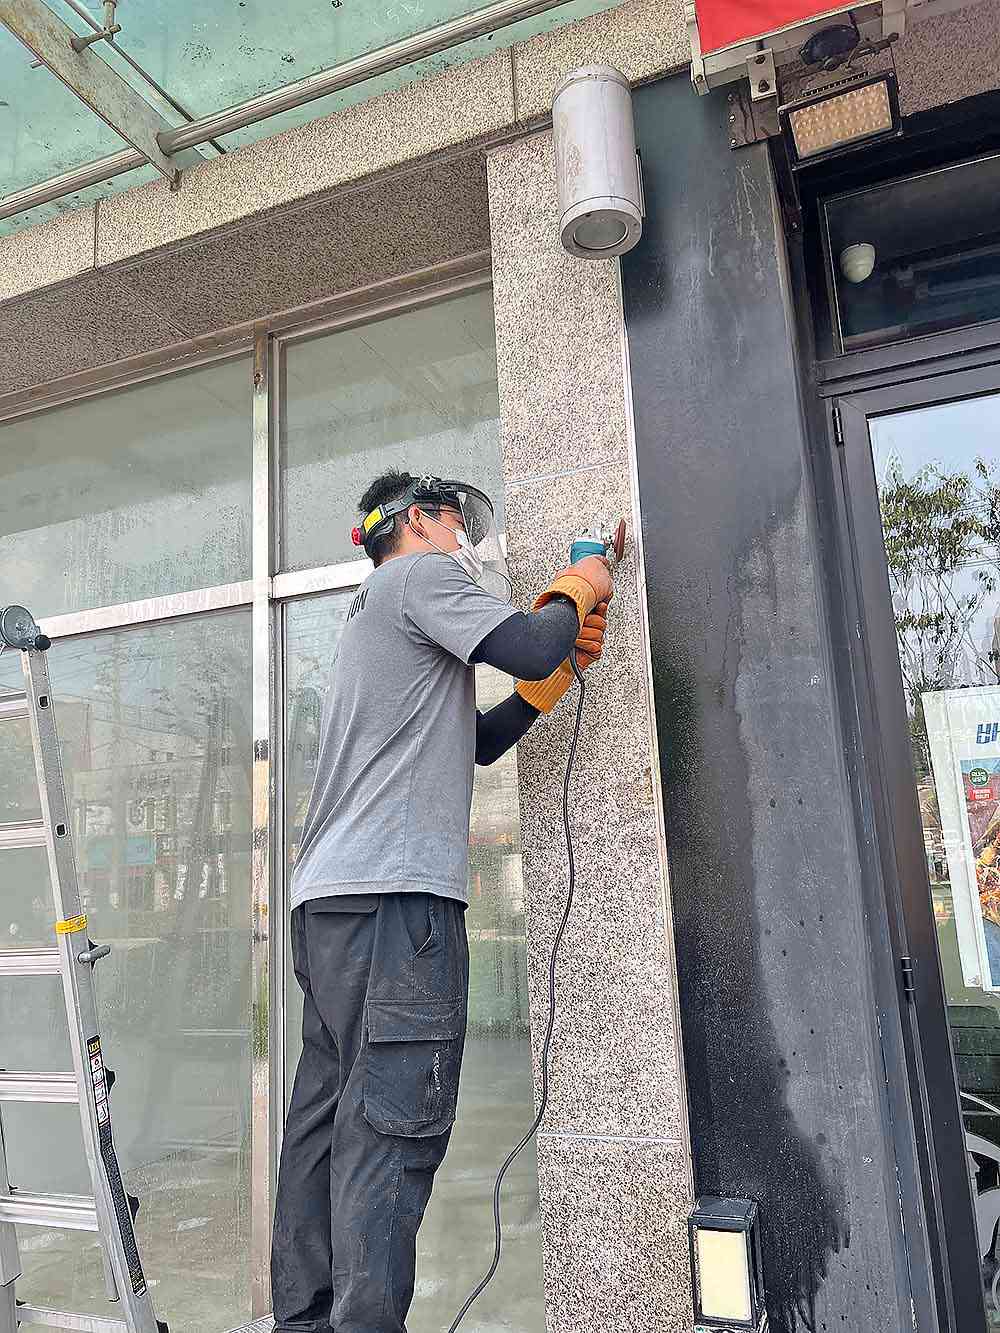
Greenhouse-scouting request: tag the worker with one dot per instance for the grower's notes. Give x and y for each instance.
(380, 886)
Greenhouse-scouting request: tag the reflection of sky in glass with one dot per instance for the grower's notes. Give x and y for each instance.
(417, 391)
(44, 128)
(950, 437)
(128, 495)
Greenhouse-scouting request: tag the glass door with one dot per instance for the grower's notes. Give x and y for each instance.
(922, 480)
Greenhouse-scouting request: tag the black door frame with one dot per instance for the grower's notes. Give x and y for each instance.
(935, 1198)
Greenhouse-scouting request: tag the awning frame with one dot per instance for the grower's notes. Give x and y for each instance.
(876, 19)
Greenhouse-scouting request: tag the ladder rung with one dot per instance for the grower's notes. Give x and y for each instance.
(38, 1087)
(13, 705)
(29, 963)
(67, 1212)
(30, 833)
(86, 1323)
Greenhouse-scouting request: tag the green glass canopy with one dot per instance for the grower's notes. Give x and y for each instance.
(176, 63)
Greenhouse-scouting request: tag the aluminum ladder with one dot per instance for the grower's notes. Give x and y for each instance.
(110, 1211)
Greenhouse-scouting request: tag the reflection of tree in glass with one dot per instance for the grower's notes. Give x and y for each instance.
(942, 531)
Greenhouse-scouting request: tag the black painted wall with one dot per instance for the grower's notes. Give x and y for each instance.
(783, 1064)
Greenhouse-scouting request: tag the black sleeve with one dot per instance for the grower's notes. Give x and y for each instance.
(502, 727)
(530, 647)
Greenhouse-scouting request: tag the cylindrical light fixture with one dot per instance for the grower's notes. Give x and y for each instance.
(597, 166)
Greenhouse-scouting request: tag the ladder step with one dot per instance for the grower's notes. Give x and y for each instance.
(13, 706)
(38, 1087)
(66, 1212)
(29, 963)
(28, 833)
(86, 1323)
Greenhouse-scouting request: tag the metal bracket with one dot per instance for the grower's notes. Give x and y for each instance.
(95, 83)
(763, 78)
(838, 427)
(100, 34)
(698, 77)
(750, 121)
(762, 75)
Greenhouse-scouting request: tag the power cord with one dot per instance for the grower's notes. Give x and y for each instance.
(547, 1043)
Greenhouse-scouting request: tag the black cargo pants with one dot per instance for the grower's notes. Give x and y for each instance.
(386, 980)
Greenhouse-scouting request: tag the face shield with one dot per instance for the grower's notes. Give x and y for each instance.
(480, 524)
(479, 553)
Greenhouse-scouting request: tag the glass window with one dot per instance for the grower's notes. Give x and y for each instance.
(34, 1034)
(417, 390)
(496, 1104)
(155, 732)
(25, 897)
(46, 128)
(938, 471)
(128, 495)
(146, 492)
(916, 256)
(18, 784)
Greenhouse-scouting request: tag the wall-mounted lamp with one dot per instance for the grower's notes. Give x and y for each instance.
(597, 166)
(857, 262)
(726, 1267)
(845, 116)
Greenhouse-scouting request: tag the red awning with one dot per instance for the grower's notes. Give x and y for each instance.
(726, 22)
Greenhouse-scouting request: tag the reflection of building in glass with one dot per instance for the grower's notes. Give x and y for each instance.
(155, 746)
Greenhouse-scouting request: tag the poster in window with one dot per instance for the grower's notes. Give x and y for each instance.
(963, 734)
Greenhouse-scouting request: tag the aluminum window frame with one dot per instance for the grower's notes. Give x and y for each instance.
(265, 594)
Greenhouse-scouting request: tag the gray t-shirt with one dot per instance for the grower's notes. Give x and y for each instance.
(389, 810)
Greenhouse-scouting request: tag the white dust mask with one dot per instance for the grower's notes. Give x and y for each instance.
(466, 556)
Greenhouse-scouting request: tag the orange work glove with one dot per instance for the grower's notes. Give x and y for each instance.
(590, 641)
(586, 583)
(545, 694)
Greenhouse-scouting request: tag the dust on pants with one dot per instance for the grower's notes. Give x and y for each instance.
(385, 979)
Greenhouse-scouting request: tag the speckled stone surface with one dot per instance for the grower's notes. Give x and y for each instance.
(76, 327)
(614, 1155)
(642, 38)
(614, 1061)
(460, 106)
(301, 255)
(393, 227)
(547, 378)
(948, 57)
(49, 253)
(614, 1219)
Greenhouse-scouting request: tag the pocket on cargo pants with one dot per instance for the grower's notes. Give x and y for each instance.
(415, 1015)
(413, 1060)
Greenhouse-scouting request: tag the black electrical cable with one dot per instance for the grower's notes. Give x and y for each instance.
(546, 1044)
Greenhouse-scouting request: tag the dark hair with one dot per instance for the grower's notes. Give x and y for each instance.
(389, 486)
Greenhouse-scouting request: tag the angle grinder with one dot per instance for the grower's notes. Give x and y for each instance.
(600, 540)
